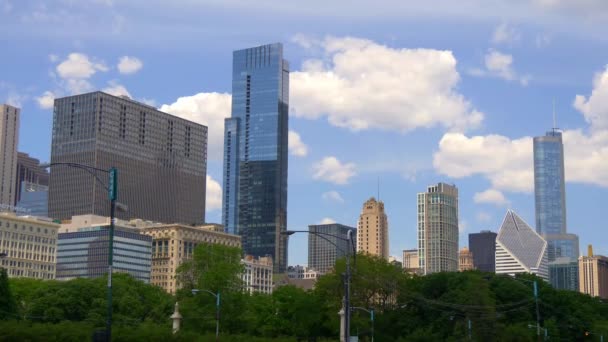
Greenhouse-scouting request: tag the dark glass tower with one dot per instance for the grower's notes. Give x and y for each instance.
(483, 247)
(324, 250)
(255, 153)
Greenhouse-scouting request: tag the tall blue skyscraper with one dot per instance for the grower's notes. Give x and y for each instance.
(255, 153)
(550, 199)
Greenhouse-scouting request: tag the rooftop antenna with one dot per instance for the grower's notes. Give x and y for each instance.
(554, 120)
(378, 188)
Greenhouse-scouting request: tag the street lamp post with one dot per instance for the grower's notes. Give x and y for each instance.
(371, 316)
(112, 189)
(217, 310)
(347, 275)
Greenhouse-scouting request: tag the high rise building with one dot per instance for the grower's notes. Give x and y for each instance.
(29, 170)
(255, 153)
(520, 249)
(483, 247)
(30, 244)
(372, 229)
(550, 196)
(593, 274)
(465, 260)
(82, 249)
(34, 199)
(9, 140)
(322, 250)
(563, 274)
(410, 261)
(438, 229)
(161, 160)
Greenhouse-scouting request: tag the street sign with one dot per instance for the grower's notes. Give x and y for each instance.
(113, 184)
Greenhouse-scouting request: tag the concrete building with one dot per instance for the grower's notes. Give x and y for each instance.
(172, 244)
(82, 249)
(483, 247)
(258, 275)
(161, 160)
(563, 274)
(322, 250)
(411, 262)
(30, 244)
(372, 229)
(33, 199)
(29, 170)
(465, 260)
(254, 202)
(302, 272)
(438, 229)
(520, 249)
(9, 140)
(593, 274)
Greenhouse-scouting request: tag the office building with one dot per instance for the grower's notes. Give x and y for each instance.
(483, 247)
(302, 272)
(82, 249)
(593, 274)
(29, 170)
(257, 275)
(520, 249)
(33, 199)
(161, 160)
(411, 262)
(563, 274)
(324, 249)
(438, 229)
(9, 140)
(172, 244)
(372, 229)
(393, 260)
(465, 260)
(30, 244)
(255, 153)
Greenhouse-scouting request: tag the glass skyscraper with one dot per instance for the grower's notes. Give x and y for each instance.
(550, 201)
(255, 153)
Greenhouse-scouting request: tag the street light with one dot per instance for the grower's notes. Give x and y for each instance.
(347, 276)
(217, 310)
(112, 189)
(371, 316)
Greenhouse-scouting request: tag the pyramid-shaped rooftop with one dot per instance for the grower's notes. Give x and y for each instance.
(521, 240)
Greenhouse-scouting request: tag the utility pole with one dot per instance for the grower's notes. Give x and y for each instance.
(537, 311)
(112, 194)
(470, 334)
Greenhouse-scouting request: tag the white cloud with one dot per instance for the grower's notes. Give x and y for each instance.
(79, 66)
(332, 196)
(214, 195)
(46, 100)
(327, 220)
(364, 85)
(116, 89)
(595, 107)
(76, 86)
(330, 169)
(129, 65)
(500, 65)
(491, 196)
(209, 109)
(505, 34)
(483, 217)
(296, 146)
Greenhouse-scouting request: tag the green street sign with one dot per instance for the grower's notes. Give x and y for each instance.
(113, 184)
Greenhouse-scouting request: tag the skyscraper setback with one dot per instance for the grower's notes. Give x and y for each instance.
(161, 160)
(9, 140)
(254, 202)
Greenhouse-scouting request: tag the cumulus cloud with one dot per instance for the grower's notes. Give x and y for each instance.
(330, 169)
(327, 220)
(116, 89)
(500, 65)
(46, 100)
(505, 34)
(483, 217)
(129, 65)
(296, 146)
(209, 109)
(364, 85)
(79, 66)
(332, 196)
(595, 107)
(214, 195)
(490, 196)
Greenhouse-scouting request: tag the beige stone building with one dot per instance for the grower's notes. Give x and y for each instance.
(465, 260)
(593, 274)
(258, 274)
(174, 243)
(9, 140)
(372, 229)
(410, 261)
(30, 244)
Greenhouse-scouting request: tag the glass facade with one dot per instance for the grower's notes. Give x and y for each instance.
(563, 274)
(255, 153)
(483, 247)
(34, 199)
(84, 254)
(322, 254)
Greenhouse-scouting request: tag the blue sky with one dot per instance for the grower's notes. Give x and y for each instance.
(406, 92)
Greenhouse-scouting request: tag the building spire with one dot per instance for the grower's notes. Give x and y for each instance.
(554, 129)
(378, 188)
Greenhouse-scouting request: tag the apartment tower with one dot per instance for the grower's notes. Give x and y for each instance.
(9, 140)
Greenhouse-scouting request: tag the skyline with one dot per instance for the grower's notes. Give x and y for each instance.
(507, 68)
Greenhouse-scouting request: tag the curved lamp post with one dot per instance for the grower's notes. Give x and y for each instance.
(112, 189)
(217, 310)
(371, 316)
(347, 276)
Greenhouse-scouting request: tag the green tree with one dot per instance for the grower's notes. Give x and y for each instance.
(7, 301)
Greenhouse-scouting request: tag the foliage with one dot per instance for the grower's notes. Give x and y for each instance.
(7, 301)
